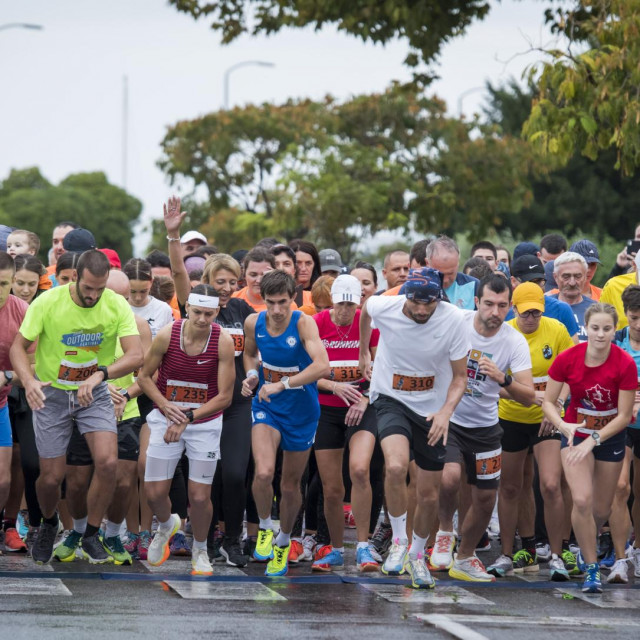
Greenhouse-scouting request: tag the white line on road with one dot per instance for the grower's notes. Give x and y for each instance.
(224, 591)
(442, 594)
(453, 628)
(33, 587)
(551, 621)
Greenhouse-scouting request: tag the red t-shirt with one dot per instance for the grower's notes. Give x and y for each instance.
(344, 352)
(11, 317)
(594, 390)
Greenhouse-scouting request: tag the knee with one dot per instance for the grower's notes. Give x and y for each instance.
(333, 492)
(359, 475)
(200, 499)
(582, 503)
(107, 467)
(509, 490)
(396, 471)
(263, 476)
(485, 501)
(427, 496)
(290, 487)
(550, 489)
(623, 490)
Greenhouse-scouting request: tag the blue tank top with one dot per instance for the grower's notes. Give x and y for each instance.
(282, 356)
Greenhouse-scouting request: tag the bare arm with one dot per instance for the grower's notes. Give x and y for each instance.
(440, 426)
(365, 338)
(172, 219)
(20, 361)
(250, 356)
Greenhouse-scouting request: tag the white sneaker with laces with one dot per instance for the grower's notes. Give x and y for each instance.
(200, 565)
(503, 566)
(394, 564)
(543, 552)
(635, 558)
(374, 552)
(442, 554)
(308, 548)
(159, 548)
(470, 569)
(557, 571)
(618, 573)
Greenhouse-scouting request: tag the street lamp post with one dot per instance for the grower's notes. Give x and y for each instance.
(20, 25)
(246, 63)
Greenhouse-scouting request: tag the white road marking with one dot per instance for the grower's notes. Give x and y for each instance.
(33, 587)
(182, 566)
(550, 621)
(609, 599)
(440, 595)
(224, 591)
(452, 627)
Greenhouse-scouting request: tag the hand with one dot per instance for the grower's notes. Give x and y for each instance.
(174, 431)
(173, 413)
(365, 365)
(347, 392)
(539, 398)
(85, 390)
(489, 368)
(34, 393)
(439, 427)
(568, 429)
(580, 452)
(270, 389)
(546, 428)
(173, 217)
(119, 401)
(355, 412)
(248, 386)
(624, 260)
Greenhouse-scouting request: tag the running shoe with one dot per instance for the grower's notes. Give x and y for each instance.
(248, 547)
(442, 556)
(635, 558)
(503, 566)
(92, 550)
(570, 564)
(419, 573)
(619, 573)
(159, 548)
(592, 582)
(309, 545)
(13, 542)
(231, 551)
(374, 553)
(608, 560)
(580, 563)
(179, 545)
(213, 549)
(394, 564)
(264, 545)
(365, 561)
(200, 565)
(543, 551)
(557, 569)
(279, 564)
(470, 569)
(43, 548)
(330, 561)
(296, 550)
(143, 545)
(321, 551)
(66, 550)
(131, 545)
(484, 544)
(524, 562)
(381, 538)
(116, 550)
(30, 540)
(22, 523)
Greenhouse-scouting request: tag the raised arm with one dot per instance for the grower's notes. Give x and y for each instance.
(173, 218)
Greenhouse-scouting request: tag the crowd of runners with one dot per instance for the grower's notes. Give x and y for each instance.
(250, 407)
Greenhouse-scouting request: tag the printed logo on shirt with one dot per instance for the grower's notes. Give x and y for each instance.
(70, 353)
(291, 341)
(598, 394)
(547, 352)
(474, 377)
(87, 341)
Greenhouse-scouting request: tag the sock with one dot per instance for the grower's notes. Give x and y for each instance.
(90, 531)
(112, 529)
(417, 546)
(53, 521)
(283, 539)
(80, 525)
(362, 545)
(265, 523)
(399, 526)
(530, 545)
(199, 545)
(339, 549)
(9, 523)
(166, 526)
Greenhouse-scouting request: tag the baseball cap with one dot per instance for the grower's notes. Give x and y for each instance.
(423, 285)
(193, 235)
(346, 288)
(527, 296)
(194, 263)
(587, 250)
(114, 258)
(527, 267)
(79, 240)
(330, 260)
(548, 274)
(525, 248)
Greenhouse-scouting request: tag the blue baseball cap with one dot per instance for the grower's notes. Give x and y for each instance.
(423, 285)
(524, 248)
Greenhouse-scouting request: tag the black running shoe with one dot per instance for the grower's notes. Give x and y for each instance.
(232, 552)
(42, 550)
(93, 550)
(381, 538)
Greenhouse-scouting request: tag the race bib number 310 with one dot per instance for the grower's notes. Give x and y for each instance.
(412, 382)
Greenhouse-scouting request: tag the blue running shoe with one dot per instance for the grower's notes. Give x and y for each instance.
(592, 582)
(365, 561)
(580, 563)
(609, 559)
(22, 523)
(330, 561)
(179, 545)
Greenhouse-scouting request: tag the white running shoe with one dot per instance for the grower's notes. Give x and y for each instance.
(543, 552)
(503, 566)
(308, 548)
(442, 554)
(557, 571)
(394, 564)
(618, 573)
(200, 565)
(420, 576)
(635, 558)
(159, 547)
(470, 569)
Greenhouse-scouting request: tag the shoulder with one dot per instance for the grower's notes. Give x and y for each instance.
(462, 278)
(238, 305)
(381, 303)
(619, 283)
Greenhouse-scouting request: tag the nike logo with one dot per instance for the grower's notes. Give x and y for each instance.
(207, 476)
(438, 336)
(203, 361)
(617, 453)
(532, 266)
(591, 251)
(261, 336)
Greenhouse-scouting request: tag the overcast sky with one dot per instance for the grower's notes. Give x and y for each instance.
(63, 86)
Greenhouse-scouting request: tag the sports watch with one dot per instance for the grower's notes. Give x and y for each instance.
(189, 415)
(596, 438)
(8, 376)
(507, 380)
(104, 372)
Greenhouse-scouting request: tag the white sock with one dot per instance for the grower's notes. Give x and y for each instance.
(283, 539)
(199, 545)
(166, 526)
(112, 529)
(80, 525)
(362, 545)
(417, 546)
(399, 527)
(265, 523)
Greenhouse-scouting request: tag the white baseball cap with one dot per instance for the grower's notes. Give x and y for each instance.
(346, 288)
(193, 235)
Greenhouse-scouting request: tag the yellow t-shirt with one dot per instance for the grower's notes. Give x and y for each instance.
(74, 340)
(131, 408)
(550, 339)
(612, 294)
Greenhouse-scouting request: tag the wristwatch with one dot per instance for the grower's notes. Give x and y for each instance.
(104, 372)
(507, 380)
(596, 438)
(285, 382)
(189, 415)
(8, 376)
(125, 394)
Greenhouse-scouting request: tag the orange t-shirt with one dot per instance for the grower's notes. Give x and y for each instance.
(45, 280)
(243, 295)
(392, 292)
(595, 294)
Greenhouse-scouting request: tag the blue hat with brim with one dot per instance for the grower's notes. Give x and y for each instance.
(423, 285)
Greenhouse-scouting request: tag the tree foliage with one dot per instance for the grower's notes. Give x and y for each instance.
(30, 201)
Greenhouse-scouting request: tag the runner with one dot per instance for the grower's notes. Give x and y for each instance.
(526, 427)
(77, 327)
(395, 268)
(194, 361)
(285, 410)
(418, 379)
(256, 263)
(602, 380)
(499, 359)
(307, 263)
(368, 277)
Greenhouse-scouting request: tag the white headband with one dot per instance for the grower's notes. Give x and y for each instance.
(198, 300)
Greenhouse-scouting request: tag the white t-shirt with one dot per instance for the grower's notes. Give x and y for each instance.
(157, 313)
(413, 361)
(509, 350)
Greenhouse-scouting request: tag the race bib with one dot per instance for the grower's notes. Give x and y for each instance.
(238, 340)
(540, 384)
(412, 382)
(275, 374)
(345, 371)
(73, 373)
(489, 464)
(189, 395)
(595, 420)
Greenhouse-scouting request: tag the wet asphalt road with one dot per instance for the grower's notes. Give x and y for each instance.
(77, 600)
